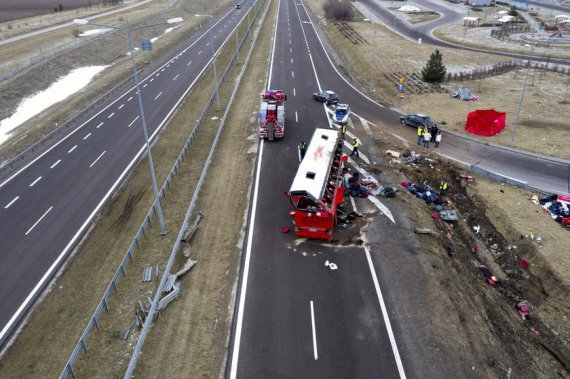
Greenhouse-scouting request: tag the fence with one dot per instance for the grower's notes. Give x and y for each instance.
(133, 247)
(503, 179)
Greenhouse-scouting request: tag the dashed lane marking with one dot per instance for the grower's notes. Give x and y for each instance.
(55, 164)
(157, 96)
(132, 122)
(99, 157)
(100, 125)
(35, 181)
(71, 150)
(121, 106)
(12, 202)
(176, 77)
(86, 136)
(39, 220)
(111, 115)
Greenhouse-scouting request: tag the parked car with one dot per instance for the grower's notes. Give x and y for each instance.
(341, 113)
(416, 120)
(328, 97)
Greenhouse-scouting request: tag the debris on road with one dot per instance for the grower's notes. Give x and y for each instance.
(331, 265)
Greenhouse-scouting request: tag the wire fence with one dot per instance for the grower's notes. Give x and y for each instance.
(103, 305)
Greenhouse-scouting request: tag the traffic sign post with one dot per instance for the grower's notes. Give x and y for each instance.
(146, 45)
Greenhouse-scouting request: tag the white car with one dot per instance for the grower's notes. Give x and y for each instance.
(341, 113)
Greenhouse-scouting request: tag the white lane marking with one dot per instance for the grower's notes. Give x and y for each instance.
(151, 79)
(99, 157)
(296, 117)
(382, 208)
(199, 52)
(289, 42)
(455, 159)
(291, 50)
(365, 124)
(87, 136)
(130, 98)
(39, 285)
(385, 314)
(73, 148)
(132, 122)
(157, 96)
(294, 92)
(35, 181)
(111, 115)
(292, 74)
(162, 70)
(291, 60)
(316, 354)
(100, 124)
(353, 204)
(146, 84)
(55, 164)
(120, 106)
(176, 77)
(188, 64)
(12, 202)
(39, 220)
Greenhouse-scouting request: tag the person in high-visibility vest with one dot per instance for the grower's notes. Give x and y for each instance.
(421, 132)
(442, 187)
(342, 131)
(355, 144)
(302, 150)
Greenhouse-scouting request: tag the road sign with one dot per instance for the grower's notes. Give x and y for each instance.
(146, 45)
(401, 87)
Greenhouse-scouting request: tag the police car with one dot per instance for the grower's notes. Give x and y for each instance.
(341, 113)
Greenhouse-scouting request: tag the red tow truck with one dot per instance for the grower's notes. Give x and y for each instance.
(272, 114)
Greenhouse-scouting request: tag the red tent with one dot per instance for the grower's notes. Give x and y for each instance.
(485, 122)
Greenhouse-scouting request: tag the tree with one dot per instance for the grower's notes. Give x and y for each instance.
(513, 12)
(434, 70)
(338, 10)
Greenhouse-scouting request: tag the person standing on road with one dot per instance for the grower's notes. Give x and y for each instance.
(427, 138)
(433, 131)
(421, 132)
(438, 139)
(355, 145)
(302, 150)
(342, 131)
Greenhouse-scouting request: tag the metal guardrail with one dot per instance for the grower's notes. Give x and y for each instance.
(503, 179)
(93, 322)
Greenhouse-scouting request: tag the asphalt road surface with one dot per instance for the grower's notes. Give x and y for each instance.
(47, 206)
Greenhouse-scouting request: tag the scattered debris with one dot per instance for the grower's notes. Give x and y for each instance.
(331, 265)
(425, 231)
(393, 153)
(170, 297)
(464, 94)
(192, 229)
(186, 267)
(169, 283)
(523, 308)
(147, 274)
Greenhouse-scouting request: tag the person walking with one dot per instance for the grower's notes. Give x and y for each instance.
(355, 145)
(421, 132)
(442, 187)
(302, 150)
(342, 131)
(427, 138)
(438, 139)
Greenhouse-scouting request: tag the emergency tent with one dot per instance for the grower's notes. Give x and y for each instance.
(485, 122)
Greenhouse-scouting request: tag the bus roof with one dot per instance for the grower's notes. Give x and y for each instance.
(314, 169)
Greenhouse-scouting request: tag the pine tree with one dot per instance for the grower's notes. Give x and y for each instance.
(434, 70)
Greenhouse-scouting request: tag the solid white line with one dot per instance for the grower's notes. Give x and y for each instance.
(188, 64)
(130, 98)
(294, 92)
(12, 202)
(316, 354)
(40, 219)
(132, 122)
(296, 118)
(176, 77)
(120, 106)
(98, 126)
(382, 208)
(87, 222)
(385, 314)
(157, 96)
(86, 136)
(99, 157)
(111, 115)
(73, 148)
(55, 164)
(35, 181)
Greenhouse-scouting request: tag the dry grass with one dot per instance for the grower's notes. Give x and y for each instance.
(545, 117)
(56, 323)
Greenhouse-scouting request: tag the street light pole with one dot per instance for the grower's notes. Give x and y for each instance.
(215, 73)
(141, 108)
(372, 60)
(520, 105)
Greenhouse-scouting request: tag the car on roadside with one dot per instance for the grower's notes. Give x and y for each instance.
(416, 120)
(341, 113)
(327, 97)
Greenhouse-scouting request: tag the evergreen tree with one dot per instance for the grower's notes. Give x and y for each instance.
(434, 70)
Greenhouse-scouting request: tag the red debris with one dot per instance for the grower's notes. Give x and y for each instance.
(285, 229)
(524, 263)
(532, 329)
(474, 249)
(435, 215)
(448, 235)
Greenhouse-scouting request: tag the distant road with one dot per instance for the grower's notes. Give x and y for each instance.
(66, 24)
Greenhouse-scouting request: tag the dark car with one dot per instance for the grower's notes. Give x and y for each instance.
(416, 120)
(238, 6)
(328, 97)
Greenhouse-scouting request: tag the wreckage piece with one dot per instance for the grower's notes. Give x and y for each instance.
(169, 283)
(187, 250)
(425, 231)
(192, 229)
(449, 215)
(463, 94)
(172, 295)
(186, 267)
(147, 274)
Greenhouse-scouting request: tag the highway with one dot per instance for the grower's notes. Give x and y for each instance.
(46, 206)
(294, 316)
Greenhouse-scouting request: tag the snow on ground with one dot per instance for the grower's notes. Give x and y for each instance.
(94, 32)
(59, 90)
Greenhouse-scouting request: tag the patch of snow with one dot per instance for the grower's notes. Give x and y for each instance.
(94, 32)
(59, 90)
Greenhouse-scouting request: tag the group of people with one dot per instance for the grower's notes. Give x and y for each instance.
(427, 135)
